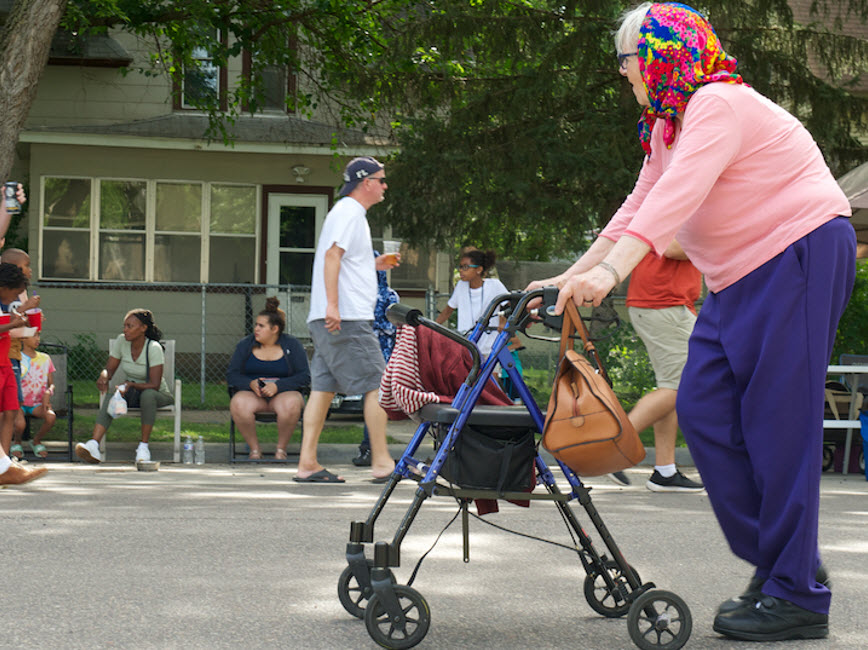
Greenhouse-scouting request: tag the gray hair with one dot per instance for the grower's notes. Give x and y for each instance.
(627, 36)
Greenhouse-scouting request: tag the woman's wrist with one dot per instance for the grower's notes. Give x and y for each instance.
(611, 269)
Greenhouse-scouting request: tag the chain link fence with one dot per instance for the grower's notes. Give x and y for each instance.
(206, 321)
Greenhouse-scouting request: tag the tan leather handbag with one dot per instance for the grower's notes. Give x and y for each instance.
(586, 428)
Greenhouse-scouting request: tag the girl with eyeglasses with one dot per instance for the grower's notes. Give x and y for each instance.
(472, 295)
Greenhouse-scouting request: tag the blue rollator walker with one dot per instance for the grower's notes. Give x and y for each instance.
(397, 616)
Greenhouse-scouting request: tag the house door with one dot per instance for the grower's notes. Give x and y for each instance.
(294, 222)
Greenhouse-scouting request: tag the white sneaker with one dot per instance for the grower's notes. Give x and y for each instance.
(142, 452)
(88, 451)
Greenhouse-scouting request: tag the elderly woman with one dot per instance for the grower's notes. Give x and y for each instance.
(745, 190)
(138, 352)
(265, 374)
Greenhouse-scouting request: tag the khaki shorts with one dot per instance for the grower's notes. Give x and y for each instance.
(665, 333)
(348, 361)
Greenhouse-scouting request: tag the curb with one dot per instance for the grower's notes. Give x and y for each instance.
(218, 453)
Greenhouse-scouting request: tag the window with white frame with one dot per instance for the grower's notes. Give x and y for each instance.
(232, 227)
(121, 245)
(65, 251)
(148, 230)
(178, 232)
(201, 82)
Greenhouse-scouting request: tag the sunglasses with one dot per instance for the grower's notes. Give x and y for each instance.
(464, 267)
(382, 179)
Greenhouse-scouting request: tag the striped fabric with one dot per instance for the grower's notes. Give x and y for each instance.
(401, 391)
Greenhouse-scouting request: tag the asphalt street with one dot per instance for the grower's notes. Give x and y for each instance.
(223, 556)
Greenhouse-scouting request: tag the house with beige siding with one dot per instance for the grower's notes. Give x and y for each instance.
(133, 204)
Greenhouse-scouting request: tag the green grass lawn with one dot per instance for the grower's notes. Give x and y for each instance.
(647, 438)
(128, 429)
(216, 398)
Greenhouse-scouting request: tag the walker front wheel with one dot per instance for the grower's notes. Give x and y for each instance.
(610, 602)
(659, 620)
(352, 595)
(394, 634)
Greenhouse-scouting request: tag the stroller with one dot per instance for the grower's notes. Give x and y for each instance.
(397, 616)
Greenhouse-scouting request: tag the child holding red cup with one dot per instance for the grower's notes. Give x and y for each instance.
(12, 283)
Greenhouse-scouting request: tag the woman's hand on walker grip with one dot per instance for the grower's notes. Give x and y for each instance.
(584, 289)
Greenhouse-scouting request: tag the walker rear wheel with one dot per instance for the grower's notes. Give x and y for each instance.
(659, 620)
(352, 595)
(828, 457)
(611, 603)
(391, 634)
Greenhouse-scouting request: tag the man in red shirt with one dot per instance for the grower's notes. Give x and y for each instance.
(660, 301)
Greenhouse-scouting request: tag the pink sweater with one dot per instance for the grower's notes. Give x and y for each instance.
(743, 180)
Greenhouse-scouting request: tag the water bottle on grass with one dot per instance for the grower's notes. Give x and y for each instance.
(188, 450)
(200, 451)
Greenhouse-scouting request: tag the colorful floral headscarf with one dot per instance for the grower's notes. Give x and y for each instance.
(678, 53)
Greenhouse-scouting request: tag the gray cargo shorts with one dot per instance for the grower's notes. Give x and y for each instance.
(347, 361)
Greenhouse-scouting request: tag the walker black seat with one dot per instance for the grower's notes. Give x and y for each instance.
(482, 415)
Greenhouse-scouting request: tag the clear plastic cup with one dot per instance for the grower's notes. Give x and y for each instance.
(391, 248)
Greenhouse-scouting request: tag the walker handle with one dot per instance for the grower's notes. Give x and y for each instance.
(399, 314)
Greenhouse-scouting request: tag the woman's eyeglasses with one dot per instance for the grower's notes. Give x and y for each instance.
(622, 59)
(464, 267)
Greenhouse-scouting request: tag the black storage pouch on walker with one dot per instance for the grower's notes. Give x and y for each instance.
(491, 458)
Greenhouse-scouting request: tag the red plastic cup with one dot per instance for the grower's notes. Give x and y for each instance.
(34, 318)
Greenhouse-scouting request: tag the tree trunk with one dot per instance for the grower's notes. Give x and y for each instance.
(24, 47)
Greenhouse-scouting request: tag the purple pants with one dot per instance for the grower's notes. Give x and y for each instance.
(750, 405)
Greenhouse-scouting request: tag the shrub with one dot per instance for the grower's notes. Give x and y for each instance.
(627, 364)
(86, 358)
(852, 335)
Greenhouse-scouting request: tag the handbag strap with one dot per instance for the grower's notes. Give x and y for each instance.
(573, 323)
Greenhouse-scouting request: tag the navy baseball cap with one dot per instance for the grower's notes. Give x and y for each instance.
(357, 170)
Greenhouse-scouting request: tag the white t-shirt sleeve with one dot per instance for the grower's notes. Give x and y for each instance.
(116, 349)
(453, 299)
(497, 287)
(347, 231)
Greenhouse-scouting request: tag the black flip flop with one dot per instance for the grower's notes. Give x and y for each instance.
(322, 476)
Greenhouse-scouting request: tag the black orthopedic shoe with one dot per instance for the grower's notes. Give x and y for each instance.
(363, 459)
(754, 592)
(772, 619)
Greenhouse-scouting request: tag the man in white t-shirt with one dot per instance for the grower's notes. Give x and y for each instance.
(347, 357)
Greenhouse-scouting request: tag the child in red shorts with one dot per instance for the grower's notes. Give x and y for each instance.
(12, 283)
